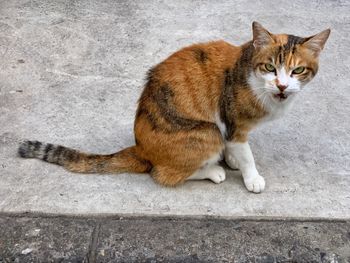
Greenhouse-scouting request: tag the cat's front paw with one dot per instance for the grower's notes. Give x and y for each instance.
(254, 182)
(230, 160)
(216, 174)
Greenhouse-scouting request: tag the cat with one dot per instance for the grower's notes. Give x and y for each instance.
(199, 105)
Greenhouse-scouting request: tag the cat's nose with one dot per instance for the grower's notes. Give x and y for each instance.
(282, 87)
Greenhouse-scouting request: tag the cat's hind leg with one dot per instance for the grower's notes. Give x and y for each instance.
(170, 176)
(175, 175)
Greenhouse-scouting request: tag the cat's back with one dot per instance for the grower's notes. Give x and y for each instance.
(211, 58)
(193, 78)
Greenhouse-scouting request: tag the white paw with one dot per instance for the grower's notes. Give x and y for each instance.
(254, 182)
(216, 174)
(230, 160)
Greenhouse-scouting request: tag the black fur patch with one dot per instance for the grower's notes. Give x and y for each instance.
(57, 154)
(226, 104)
(24, 150)
(200, 55)
(234, 78)
(150, 117)
(163, 98)
(292, 41)
(151, 75)
(70, 155)
(280, 55)
(37, 146)
(29, 149)
(49, 147)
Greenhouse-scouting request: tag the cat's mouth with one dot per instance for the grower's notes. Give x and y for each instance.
(280, 96)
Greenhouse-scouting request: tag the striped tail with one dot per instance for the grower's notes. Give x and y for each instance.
(126, 160)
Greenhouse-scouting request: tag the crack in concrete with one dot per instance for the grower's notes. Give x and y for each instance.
(93, 243)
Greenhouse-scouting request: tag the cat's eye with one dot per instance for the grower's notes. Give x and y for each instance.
(298, 70)
(269, 67)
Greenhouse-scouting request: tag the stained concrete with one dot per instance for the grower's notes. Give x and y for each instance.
(69, 239)
(71, 73)
(28, 239)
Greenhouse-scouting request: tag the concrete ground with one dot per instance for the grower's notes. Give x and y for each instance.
(71, 73)
(64, 239)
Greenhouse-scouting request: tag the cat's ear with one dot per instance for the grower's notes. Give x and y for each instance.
(261, 37)
(316, 43)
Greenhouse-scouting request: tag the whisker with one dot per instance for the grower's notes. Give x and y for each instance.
(260, 98)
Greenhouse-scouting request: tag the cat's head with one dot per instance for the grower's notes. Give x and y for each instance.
(283, 64)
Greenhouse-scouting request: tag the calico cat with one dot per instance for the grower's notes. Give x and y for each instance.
(200, 104)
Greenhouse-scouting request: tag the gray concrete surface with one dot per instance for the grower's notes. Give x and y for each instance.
(27, 239)
(67, 239)
(71, 73)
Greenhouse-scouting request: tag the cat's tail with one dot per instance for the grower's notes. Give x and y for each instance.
(126, 160)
